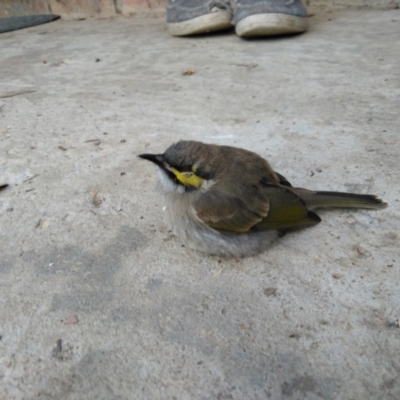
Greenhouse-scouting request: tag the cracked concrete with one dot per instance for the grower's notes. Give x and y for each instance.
(99, 300)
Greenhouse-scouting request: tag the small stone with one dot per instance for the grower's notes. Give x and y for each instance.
(71, 320)
(270, 291)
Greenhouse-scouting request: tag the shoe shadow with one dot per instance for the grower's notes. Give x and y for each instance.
(225, 32)
(288, 36)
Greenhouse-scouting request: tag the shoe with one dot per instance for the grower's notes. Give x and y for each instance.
(191, 17)
(269, 17)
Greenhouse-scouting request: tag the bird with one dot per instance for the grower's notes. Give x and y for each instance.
(225, 201)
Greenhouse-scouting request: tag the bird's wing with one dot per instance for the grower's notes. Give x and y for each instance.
(282, 180)
(287, 211)
(267, 207)
(230, 211)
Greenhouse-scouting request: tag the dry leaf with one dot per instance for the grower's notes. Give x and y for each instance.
(92, 140)
(42, 223)
(97, 200)
(15, 93)
(189, 71)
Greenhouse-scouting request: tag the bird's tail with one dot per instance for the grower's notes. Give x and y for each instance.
(340, 200)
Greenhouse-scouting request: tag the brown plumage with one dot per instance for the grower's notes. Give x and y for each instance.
(231, 196)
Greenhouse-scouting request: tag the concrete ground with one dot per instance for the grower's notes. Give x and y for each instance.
(99, 299)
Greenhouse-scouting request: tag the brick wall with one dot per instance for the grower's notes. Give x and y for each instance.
(107, 8)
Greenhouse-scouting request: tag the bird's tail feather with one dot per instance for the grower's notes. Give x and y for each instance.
(341, 200)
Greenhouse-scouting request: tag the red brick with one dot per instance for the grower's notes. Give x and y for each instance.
(128, 7)
(82, 8)
(17, 8)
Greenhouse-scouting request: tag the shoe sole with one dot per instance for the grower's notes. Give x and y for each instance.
(212, 22)
(270, 25)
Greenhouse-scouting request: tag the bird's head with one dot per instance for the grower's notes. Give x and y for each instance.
(185, 166)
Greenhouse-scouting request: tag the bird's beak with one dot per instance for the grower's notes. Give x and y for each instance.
(157, 159)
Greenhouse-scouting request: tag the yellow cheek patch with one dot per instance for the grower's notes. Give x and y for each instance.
(188, 178)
